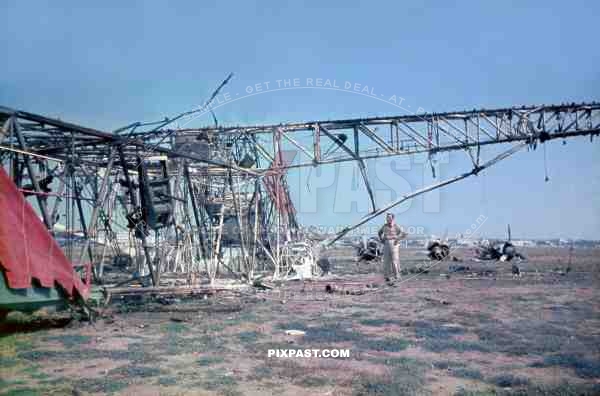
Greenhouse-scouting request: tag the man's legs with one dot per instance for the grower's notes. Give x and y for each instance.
(396, 260)
(387, 261)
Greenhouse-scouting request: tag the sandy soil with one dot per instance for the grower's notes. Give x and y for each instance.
(474, 332)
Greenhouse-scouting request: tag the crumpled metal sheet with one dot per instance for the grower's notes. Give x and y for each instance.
(27, 250)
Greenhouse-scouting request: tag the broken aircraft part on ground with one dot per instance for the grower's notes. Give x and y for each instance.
(191, 206)
(500, 251)
(370, 249)
(438, 250)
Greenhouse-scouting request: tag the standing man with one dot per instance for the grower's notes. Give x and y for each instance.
(391, 234)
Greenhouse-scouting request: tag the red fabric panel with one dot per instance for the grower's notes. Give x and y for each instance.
(273, 183)
(27, 249)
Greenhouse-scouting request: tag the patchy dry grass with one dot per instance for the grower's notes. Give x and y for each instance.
(387, 344)
(103, 385)
(405, 376)
(167, 381)
(560, 389)
(490, 335)
(331, 333)
(248, 336)
(380, 322)
(133, 371)
(447, 364)
(295, 325)
(464, 372)
(217, 380)
(11, 344)
(4, 383)
(584, 368)
(210, 360)
(173, 328)
(71, 340)
(260, 373)
(508, 381)
(441, 345)
(525, 337)
(312, 381)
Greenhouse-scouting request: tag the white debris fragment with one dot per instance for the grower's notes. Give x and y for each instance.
(295, 332)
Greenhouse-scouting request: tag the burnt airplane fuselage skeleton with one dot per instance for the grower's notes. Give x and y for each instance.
(214, 201)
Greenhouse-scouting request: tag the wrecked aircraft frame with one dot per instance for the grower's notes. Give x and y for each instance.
(211, 202)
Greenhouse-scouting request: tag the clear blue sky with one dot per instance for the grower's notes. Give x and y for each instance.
(117, 62)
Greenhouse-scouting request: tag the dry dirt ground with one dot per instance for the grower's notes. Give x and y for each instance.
(474, 332)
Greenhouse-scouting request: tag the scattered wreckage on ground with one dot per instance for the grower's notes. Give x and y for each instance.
(499, 250)
(370, 249)
(438, 250)
(150, 206)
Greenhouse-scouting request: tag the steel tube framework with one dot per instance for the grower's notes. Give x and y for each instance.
(233, 177)
(380, 137)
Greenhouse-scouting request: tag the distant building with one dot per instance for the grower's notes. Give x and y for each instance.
(523, 243)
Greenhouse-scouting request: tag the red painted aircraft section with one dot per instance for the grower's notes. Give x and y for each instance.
(27, 250)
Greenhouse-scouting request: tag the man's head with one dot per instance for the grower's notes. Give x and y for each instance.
(389, 218)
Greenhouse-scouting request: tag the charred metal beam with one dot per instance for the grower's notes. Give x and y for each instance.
(188, 180)
(361, 164)
(32, 174)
